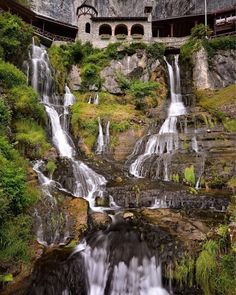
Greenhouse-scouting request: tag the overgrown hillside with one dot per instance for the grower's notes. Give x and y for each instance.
(22, 138)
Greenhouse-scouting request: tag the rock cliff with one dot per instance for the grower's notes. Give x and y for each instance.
(65, 10)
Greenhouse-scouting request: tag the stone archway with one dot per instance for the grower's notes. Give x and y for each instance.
(121, 29)
(105, 29)
(137, 29)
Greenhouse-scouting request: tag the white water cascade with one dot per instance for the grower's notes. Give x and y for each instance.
(165, 142)
(69, 100)
(87, 182)
(131, 275)
(103, 140)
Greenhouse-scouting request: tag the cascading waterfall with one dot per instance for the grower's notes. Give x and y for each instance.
(103, 140)
(165, 142)
(115, 262)
(87, 182)
(94, 100)
(49, 230)
(69, 100)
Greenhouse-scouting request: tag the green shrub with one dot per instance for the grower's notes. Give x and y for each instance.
(13, 185)
(100, 59)
(24, 103)
(140, 90)
(10, 76)
(15, 37)
(123, 82)
(113, 51)
(156, 50)
(90, 76)
(189, 175)
(219, 43)
(5, 115)
(200, 32)
(31, 138)
(14, 242)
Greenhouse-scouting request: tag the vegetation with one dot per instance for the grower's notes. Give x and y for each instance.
(218, 104)
(200, 38)
(189, 175)
(144, 93)
(15, 37)
(219, 43)
(21, 126)
(85, 116)
(184, 271)
(92, 60)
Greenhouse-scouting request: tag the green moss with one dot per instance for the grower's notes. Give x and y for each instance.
(31, 138)
(189, 175)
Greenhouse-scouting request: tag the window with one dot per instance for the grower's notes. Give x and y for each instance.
(87, 28)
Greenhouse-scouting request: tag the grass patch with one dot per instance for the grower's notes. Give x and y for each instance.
(85, 116)
(189, 175)
(216, 102)
(31, 138)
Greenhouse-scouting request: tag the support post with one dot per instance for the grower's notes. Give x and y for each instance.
(172, 30)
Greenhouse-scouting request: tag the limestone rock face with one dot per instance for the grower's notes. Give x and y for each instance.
(220, 74)
(65, 10)
(137, 66)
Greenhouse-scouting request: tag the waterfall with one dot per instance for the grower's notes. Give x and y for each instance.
(165, 142)
(94, 99)
(115, 262)
(103, 141)
(49, 230)
(87, 182)
(69, 100)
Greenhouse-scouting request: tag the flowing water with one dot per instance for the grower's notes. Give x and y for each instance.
(117, 261)
(111, 265)
(88, 183)
(103, 140)
(165, 143)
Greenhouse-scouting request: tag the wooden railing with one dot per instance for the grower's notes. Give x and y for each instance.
(51, 36)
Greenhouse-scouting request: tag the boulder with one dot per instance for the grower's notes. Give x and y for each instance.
(100, 220)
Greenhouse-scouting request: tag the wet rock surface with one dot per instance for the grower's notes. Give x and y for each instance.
(144, 193)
